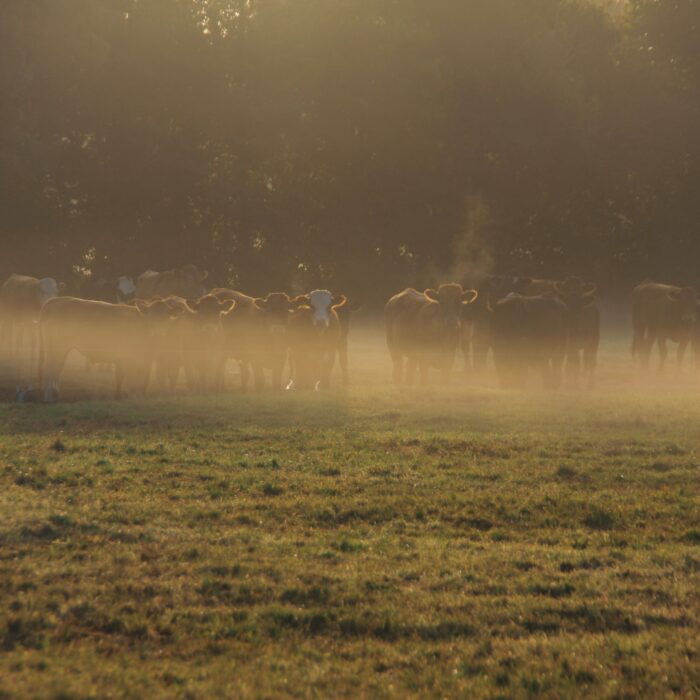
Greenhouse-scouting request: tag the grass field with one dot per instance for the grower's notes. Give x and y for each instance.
(374, 542)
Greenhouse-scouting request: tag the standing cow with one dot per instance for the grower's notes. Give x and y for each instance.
(104, 333)
(314, 336)
(583, 328)
(21, 301)
(425, 329)
(530, 333)
(255, 334)
(203, 341)
(662, 312)
(477, 337)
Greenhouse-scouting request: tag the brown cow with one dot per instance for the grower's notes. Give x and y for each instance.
(425, 329)
(530, 333)
(477, 340)
(256, 335)
(167, 339)
(203, 341)
(314, 337)
(104, 333)
(662, 312)
(584, 328)
(21, 300)
(187, 282)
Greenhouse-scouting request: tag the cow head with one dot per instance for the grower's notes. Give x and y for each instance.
(190, 281)
(451, 301)
(686, 301)
(125, 288)
(48, 289)
(276, 307)
(209, 308)
(576, 294)
(321, 302)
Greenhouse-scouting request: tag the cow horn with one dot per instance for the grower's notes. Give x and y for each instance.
(469, 296)
(339, 301)
(431, 295)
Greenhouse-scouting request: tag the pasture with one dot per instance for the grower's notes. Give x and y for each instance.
(371, 542)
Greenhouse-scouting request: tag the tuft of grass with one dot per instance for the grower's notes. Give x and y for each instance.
(599, 519)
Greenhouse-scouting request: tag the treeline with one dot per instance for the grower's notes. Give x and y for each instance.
(362, 145)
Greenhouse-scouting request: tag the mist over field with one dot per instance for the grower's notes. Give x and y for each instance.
(349, 349)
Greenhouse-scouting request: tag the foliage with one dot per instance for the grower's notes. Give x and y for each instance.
(362, 146)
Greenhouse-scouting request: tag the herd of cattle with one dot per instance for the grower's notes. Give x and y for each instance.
(162, 323)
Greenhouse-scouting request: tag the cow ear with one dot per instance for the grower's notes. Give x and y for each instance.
(260, 303)
(204, 275)
(354, 306)
(469, 296)
(301, 300)
(560, 288)
(61, 287)
(338, 301)
(142, 306)
(432, 295)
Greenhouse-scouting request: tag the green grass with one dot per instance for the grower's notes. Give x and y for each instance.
(377, 543)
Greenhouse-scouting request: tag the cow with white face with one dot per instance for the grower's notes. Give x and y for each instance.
(126, 289)
(21, 300)
(314, 337)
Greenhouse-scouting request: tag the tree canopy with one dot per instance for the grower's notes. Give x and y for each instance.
(364, 146)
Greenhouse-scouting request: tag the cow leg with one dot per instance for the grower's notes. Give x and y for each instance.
(573, 367)
(259, 377)
(276, 378)
(646, 347)
(481, 344)
(424, 369)
(680, 355)
(590, 362)
(411, 364)
(119, 381)
(663, 352)
(466, 347)
(343, 362)
(244, 369)
(397, 361)
(50, 375)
